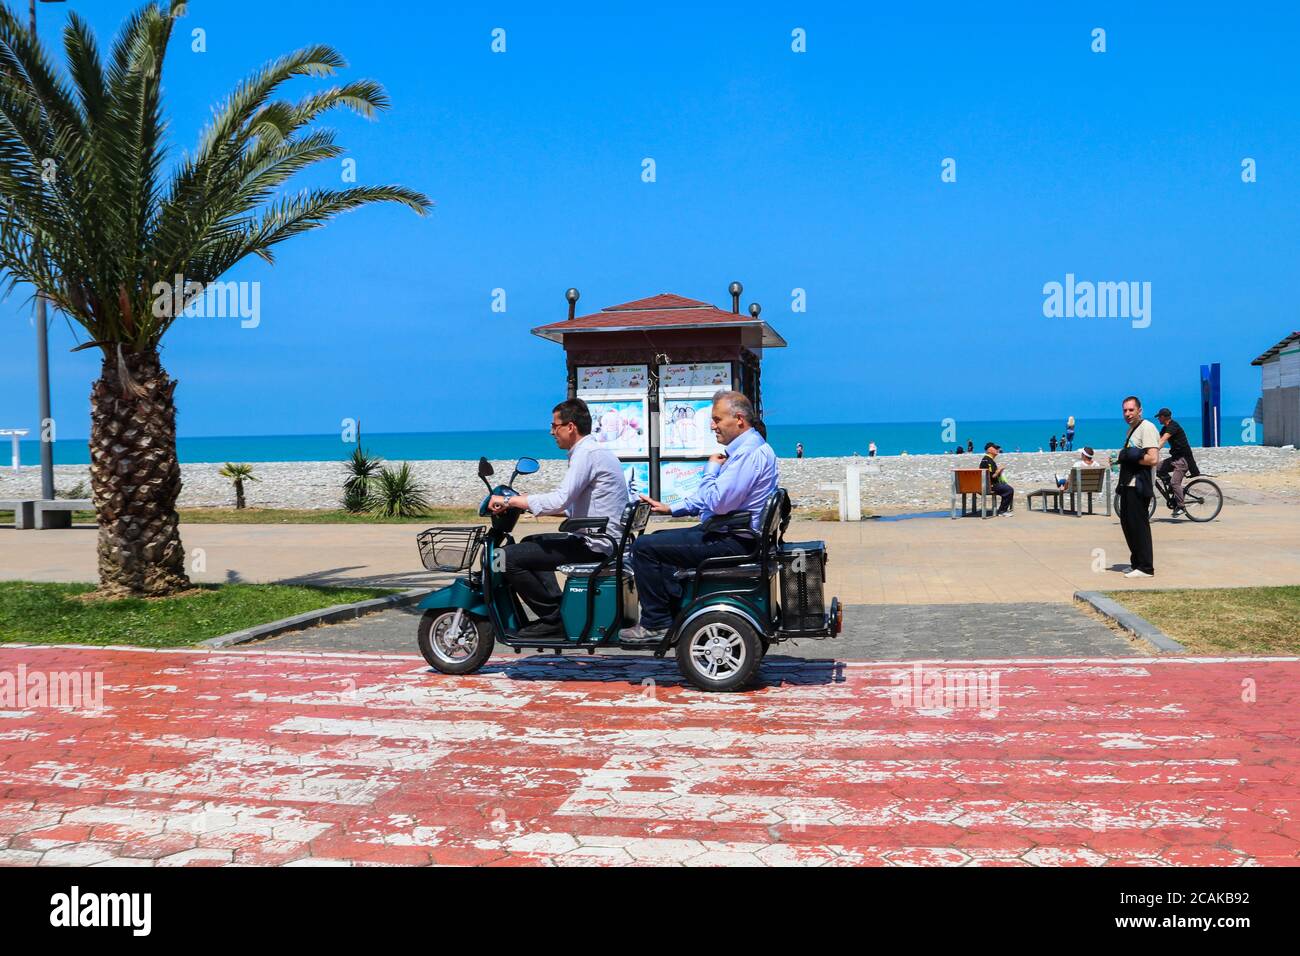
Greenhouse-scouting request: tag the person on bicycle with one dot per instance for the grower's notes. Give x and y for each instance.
(1180, 464)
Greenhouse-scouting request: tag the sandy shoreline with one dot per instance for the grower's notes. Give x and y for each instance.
(902, 483)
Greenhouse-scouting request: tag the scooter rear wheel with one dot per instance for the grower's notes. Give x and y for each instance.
(719, 651)
(453, 647)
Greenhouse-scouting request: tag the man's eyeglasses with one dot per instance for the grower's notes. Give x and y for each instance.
(555, 425)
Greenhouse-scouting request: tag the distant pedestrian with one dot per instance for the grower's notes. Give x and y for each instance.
(1137, 461)
(871, 450)
(1052, 444)
(970, 445)
(1069, 433)
(798, 449)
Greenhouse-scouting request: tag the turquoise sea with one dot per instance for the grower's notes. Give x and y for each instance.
(891, 438)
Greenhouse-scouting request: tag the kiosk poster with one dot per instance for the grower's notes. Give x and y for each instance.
(621, 426)
(612, 378)
(707, 376)
(678, 479)
(637, 476)
(686, 426)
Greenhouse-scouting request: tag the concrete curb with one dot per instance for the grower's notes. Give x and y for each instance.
(1138, 626)
(326, 615)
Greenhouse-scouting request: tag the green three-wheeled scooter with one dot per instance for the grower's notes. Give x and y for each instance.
(732, 609)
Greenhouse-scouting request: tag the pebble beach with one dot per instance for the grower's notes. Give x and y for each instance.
(890, 484)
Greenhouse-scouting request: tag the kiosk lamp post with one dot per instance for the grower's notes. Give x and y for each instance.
(43, 365)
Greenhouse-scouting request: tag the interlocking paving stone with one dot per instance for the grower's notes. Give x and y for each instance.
(880, 632)
(211, 758)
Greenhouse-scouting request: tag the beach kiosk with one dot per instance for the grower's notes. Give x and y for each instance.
(648, 370)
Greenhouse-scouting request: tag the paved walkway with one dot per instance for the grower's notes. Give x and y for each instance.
(1028, 558)
(216, 758)
(872, 632)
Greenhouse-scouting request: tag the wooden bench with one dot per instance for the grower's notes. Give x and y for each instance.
(973, 482)
(24, 510)
(1084, 480)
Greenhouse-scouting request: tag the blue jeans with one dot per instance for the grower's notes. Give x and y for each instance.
(656, 556)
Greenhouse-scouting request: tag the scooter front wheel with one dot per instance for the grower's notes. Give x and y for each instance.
(454, 642)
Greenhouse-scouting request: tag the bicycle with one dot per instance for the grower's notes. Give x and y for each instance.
(1202, 498)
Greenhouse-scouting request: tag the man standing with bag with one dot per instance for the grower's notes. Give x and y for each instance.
(1137, 483)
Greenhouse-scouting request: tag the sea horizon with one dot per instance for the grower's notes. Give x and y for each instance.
(828, 440)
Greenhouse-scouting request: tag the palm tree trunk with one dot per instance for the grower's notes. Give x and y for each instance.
(136, 478)
(239, 494)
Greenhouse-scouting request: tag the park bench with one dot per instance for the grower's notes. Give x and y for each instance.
(24, 511)
(1084, 480)
(58, 513)
(973, 482)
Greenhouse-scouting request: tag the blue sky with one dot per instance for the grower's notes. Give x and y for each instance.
(818, 171)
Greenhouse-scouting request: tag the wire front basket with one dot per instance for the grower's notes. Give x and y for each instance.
(450, 549)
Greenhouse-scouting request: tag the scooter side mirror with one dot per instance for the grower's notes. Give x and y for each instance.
(527, 466)
(484, 467)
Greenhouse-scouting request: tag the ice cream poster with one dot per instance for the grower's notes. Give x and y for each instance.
(611, 378)
(620, 426)
(686, 426)
(678, 479)
(710, 376)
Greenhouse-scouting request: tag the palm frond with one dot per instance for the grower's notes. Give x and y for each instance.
(98, 235)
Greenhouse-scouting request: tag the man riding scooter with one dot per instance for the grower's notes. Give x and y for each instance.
(593, 487)
(738, 479)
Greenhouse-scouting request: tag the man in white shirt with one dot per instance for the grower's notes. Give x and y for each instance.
(1137, 484)
(593, 487)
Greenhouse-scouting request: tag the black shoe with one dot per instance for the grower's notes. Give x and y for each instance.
(542, 628)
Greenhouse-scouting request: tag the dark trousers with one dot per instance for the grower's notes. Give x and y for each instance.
(656, 556)
(1006, 493)
(1135, 521)
(530, 569)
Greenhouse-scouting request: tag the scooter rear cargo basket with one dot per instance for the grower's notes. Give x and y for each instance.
(450, 549)
(803, 575)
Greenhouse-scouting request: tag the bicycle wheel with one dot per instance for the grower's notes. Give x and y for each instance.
(1202, 499)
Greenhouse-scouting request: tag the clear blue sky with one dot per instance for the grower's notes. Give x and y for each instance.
(818, 170)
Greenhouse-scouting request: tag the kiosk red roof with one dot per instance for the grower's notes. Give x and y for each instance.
(663, 311)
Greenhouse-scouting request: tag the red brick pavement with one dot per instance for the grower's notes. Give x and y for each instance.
(210, 758)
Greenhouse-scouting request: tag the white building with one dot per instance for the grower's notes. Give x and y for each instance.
(1281, 366)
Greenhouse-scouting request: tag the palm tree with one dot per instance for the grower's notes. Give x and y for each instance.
(238, 474)
(89, 218)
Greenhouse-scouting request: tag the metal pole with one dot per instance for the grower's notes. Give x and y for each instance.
(43, 372)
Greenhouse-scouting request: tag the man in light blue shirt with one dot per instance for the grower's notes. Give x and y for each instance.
(593, 487)
(741, 478)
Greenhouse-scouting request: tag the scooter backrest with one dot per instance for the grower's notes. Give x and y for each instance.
(776, 517)
(635, 518)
